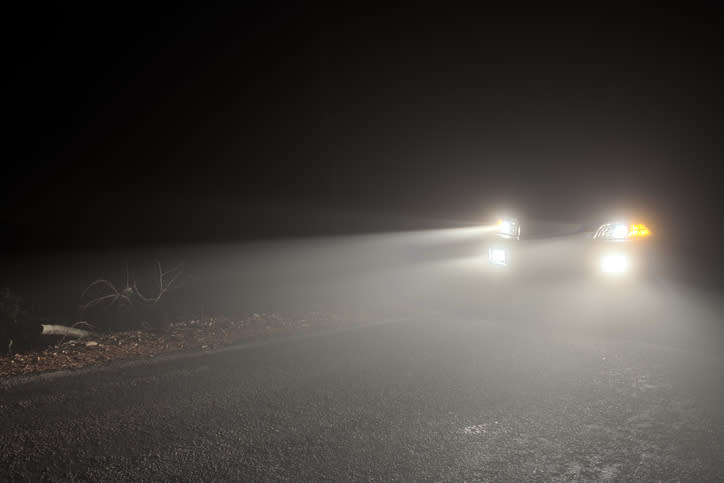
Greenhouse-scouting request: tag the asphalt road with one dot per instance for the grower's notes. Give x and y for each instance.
(460, 375)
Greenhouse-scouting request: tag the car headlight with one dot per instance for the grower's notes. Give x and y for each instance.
(508, 228)
(615, 263)
(498, 256)
(621, 231)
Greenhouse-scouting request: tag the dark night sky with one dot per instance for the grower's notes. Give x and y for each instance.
(145, 125)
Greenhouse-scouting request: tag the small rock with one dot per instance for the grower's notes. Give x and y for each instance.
(91, 343)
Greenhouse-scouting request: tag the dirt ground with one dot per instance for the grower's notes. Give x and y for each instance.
(192, 335)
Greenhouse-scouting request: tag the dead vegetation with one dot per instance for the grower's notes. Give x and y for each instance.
(104, 293)
(107, 306)
(136, 319)
(206, 334)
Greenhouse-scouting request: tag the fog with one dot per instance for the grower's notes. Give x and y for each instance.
(550, 285)
(541, 364)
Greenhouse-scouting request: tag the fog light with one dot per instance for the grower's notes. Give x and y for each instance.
(614, 264)
(497, 256)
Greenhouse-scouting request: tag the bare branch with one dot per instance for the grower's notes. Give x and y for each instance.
(113, 297)
(83, 323)
(177, 271)
(163, 284)
(50, 329)
(160, 277)
(98, 300)
(99, 282)
(108, 295)
(143, 297)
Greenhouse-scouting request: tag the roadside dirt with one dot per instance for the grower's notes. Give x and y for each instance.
(182, 336)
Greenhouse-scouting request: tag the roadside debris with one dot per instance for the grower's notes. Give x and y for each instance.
(50, 329)
(208, 334)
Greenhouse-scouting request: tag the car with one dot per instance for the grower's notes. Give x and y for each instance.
(621, 248)
(507, 230)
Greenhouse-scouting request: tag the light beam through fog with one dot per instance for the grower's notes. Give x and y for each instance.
(551, 283)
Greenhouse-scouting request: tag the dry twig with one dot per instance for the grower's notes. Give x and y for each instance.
(110, 295)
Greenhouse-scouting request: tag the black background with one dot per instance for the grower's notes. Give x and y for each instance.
(173, 125)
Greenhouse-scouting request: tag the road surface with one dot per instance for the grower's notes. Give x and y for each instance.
(459, 375)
